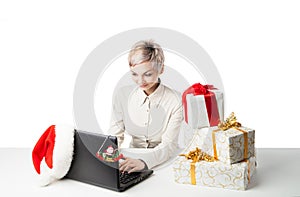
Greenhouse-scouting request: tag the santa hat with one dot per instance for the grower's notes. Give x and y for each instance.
(52, 155)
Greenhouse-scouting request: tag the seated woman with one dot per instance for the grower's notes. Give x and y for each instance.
(150, 112)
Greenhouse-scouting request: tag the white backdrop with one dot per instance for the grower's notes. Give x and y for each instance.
(255, 45)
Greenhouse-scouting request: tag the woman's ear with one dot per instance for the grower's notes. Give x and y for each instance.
(162, 69)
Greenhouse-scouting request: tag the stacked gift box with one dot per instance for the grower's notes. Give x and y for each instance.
(203, 106)
(221, 153)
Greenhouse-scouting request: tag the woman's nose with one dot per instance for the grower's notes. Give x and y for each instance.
(140, 80)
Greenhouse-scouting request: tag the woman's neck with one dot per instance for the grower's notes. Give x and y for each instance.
(152, 89)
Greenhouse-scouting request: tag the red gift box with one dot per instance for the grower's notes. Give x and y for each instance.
(212, 110)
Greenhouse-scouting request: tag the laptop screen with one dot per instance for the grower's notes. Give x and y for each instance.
(96, 161)
(87, 166)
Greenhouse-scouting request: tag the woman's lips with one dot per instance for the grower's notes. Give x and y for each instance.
(143, 86)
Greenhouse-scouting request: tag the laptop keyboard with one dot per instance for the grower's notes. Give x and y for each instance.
(127, 177)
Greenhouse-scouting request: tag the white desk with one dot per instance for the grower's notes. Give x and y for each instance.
(278, 174)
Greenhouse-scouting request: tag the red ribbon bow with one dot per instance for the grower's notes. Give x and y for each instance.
(210, 101)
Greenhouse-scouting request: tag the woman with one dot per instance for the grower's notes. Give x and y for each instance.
(151, 113)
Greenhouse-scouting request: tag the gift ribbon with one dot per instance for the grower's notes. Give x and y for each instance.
(248, 168)
(196, 156)
(248, 164)
(210, 101)
(223, 126)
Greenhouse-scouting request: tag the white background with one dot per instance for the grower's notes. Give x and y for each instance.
(254, 44)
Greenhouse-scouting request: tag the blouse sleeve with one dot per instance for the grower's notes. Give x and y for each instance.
(169, 143)
(117, 127)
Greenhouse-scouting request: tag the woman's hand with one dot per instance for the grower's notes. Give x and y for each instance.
(131, 165)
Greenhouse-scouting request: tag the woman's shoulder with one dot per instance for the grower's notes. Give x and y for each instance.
(172, 93)
(125, 90)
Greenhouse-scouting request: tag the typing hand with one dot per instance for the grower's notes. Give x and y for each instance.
(131, 165)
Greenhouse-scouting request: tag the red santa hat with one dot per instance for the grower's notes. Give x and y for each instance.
(52, 155)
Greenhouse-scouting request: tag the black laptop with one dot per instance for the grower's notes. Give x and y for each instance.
(96, 161)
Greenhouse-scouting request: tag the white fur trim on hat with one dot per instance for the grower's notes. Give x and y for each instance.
(61, 157)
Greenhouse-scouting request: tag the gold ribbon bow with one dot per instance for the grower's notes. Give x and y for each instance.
(195, 156)
(230, 123)
(198, 155)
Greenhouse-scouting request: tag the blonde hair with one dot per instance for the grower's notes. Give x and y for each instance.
(146, 51)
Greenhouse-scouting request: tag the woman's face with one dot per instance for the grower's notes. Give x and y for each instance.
(145, 76)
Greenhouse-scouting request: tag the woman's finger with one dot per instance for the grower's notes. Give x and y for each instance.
(133, 169)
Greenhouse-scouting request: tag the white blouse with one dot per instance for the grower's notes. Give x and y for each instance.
(153, 121)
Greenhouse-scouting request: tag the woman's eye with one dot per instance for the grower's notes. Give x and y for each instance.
(133, 74)
(148, 74)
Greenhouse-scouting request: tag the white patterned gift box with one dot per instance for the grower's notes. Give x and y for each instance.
(229, 146)
(215, 174)
(233, 145)
(232, 142)
(203, 106)
(226, 145)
